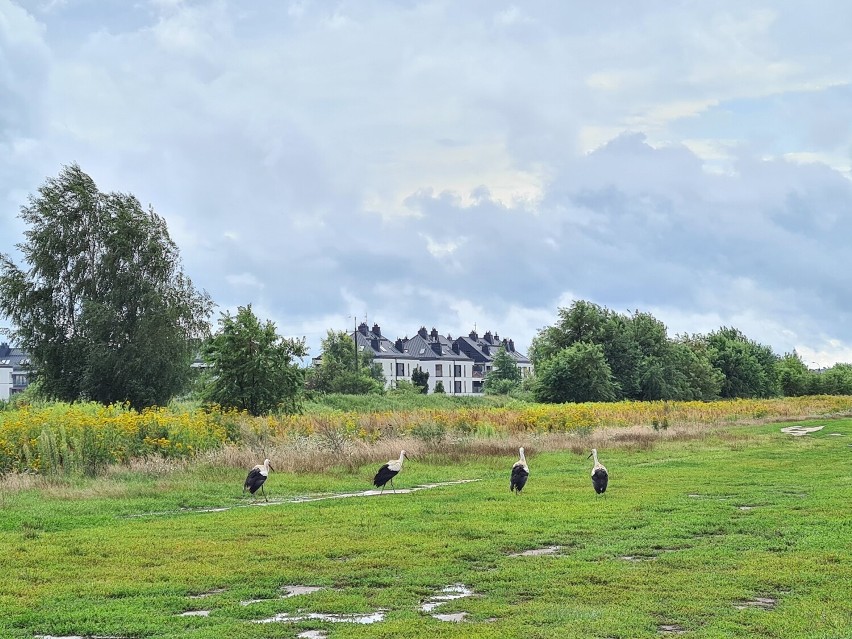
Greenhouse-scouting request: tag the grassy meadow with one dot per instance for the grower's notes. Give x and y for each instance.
(732, 530)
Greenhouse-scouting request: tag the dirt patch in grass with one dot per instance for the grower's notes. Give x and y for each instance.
(209, 593)
(800, 431)
(763, 603)
(671, 629)
(536, 552)
(286, 617)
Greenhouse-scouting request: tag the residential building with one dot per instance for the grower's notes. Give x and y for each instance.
(460, 364)
(14, 368)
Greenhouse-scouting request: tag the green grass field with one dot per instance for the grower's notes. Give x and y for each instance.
(687, 538)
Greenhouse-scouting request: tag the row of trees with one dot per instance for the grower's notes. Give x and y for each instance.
(595, 354)
(107, 314)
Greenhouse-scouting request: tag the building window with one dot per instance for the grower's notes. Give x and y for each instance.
(400, 369)
(457, 370)
(439, 370)
(457, 387)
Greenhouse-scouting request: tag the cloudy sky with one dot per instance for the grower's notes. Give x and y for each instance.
(460, 164)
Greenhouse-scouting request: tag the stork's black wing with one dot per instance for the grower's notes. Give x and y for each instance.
(519, 478)
(254, 480)
(599, 480)
(384, 475)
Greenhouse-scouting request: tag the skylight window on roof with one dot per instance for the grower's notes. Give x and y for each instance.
(422, 350)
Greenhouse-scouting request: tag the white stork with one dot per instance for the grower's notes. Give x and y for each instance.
(388, 471)
(256, 477)
(520, 473)
(600, 477)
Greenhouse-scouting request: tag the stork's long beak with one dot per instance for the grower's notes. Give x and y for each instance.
(590, 456)
(270, 467)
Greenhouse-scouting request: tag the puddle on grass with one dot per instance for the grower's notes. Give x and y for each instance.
(449, 593)
(374, 617)
(746, 507)
(799, 431)
(312, 634)
(536, 552)
(77, 637)
(195, 613)
(289, 591)
(763, 603)
(307, 498)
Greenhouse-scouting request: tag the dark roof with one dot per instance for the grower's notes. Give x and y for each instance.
(429, 347)
(377, 344)
(14, 357)
(483, 349)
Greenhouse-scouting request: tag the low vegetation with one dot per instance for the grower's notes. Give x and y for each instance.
(58, 438)
(725, 531)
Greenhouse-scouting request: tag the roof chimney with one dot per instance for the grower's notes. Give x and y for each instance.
(433, 333)
(398, 344)
(374, 343)
(436, 347)
(362, 328)
(512, 345)
(422, 332)
(377, 330)
(472, 335)
(487, 337)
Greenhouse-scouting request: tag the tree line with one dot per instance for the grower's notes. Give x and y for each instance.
(595, 354)
(106, 313)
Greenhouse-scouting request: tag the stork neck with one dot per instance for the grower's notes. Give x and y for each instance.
(401, 457)
(523, 458)
(595, 455)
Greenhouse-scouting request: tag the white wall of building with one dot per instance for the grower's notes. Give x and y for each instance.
(5, 382)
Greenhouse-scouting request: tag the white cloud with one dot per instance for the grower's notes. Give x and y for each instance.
(459, 164)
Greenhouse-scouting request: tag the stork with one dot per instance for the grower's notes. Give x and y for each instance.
(520, 473)
(388, 471)
(599, 475)
(256, 477)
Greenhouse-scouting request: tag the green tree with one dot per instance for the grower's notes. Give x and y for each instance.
(336, 371)
(581, 322)
(504, 375)
(793, 376)
(697, 378)
(836, 380)
(420, 379)
(749, 368)
(439, 387)
(594, 324)
(579, 373)
(253, 368)
(103, 307)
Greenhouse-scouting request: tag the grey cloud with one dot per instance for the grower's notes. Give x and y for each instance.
(358, 155)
